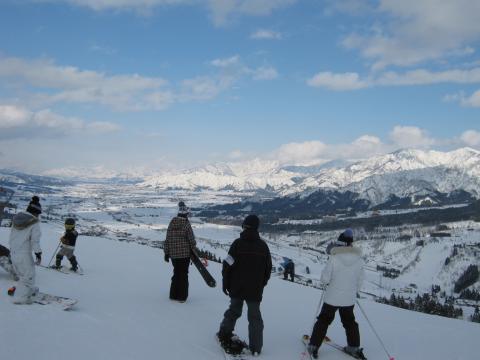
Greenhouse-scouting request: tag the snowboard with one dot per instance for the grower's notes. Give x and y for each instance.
(328, 341)
(244, 355)
(59, 301)
(209, 280)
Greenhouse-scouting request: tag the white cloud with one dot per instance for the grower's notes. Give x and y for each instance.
(410, 137)
(223, 10)
(353, 81)
(46, 83)
(18, 122)
(338, 82)
(464, 100)
(317, 152)
(414, 31)
(426, 77)
(472, 100)
(265, 73)
(100, 127)
(226, 62)
(205, 87)
(12, 116)
(70, 84)
(266, 34)
(141, 6)
(471, 137)
(298, 153)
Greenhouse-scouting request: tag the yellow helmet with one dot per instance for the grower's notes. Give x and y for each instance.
(69, 224)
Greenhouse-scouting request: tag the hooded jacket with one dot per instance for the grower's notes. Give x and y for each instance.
(343, 275)
(180, 238)
(25, 234)
(247, 268)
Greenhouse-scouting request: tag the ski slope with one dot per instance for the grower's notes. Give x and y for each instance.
(124, 313)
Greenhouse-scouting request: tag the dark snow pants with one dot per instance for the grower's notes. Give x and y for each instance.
(325, 319)
(255, 322)
(179, 286)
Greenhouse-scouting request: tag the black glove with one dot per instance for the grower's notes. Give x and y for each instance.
(225, 289)
(166, 257)
(39, 258)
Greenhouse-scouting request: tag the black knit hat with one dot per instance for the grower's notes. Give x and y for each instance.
(346, 236)
(183, 209)
(34, 206)
(251, 222)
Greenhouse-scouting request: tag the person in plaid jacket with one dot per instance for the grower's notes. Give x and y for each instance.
(178, 244)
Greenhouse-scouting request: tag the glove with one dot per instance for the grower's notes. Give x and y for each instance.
(39, 258)
(225, 288)
(166, 257)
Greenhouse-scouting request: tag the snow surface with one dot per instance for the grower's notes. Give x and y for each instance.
(124, 313)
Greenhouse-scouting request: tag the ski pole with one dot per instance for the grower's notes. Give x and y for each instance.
(374, 331)
(54, 253)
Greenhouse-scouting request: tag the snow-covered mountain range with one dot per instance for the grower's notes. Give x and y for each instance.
(402, 173)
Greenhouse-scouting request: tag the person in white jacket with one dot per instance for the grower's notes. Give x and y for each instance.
(25, 239)
(342, 277)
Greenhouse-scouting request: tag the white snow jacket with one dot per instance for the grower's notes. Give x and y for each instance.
(25, 234)
(343, 275)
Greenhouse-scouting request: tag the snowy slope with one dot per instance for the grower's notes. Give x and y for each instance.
(124, 313)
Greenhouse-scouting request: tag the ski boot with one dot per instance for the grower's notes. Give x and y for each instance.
(354, 351)
(313, 350)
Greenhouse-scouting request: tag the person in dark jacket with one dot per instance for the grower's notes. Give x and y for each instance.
(289, 269)
(246, 271)
(67, 247)
(178, 244)
(6, 262)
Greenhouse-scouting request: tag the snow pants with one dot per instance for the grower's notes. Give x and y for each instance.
(68, 252)
(255, 322)
(179, 285)
(24, 267)
(325, 319)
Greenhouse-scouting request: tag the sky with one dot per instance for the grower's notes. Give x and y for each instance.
(149, 85)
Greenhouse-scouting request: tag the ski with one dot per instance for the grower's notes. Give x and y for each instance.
(63, 302)
(209, 280)
(64, 270)
(333, 344)
(328, 341)
(45, 299)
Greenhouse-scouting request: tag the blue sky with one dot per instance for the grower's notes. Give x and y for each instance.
(155, 84)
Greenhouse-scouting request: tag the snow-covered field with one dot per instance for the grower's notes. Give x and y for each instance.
(124, 313)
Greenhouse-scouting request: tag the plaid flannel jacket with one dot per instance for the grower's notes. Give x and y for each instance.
(180, 238)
